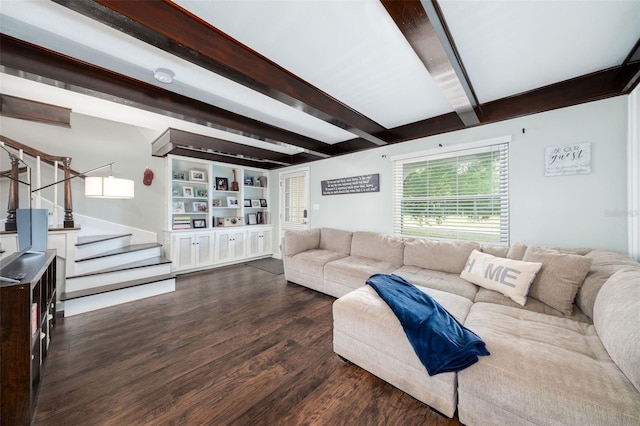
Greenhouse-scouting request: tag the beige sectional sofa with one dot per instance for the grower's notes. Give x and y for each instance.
(550, 363)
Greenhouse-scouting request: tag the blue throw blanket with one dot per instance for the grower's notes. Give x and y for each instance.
(439, 340)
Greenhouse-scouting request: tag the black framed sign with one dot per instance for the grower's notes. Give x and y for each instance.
(351, 185)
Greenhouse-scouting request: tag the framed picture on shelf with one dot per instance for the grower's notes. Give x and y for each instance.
(216, 203)
(263, 202)
(199, 206)
(201, 192)
(178, 207)
(247, 202)
(232, 202)
(251, 219)
(199, 223)
(259, 218)
(187, 191)
(255, 203)
(178, 175)
(197, 175)
(248, 180)
(222, 184)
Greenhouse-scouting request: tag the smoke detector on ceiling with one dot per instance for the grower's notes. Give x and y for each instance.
(164, 75)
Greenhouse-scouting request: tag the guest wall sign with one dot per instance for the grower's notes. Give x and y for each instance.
(351, 185)
(574, 159)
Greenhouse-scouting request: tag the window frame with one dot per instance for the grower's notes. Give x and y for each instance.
(502, 231)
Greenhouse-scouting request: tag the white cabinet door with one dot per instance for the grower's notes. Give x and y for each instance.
(183, 249)
(230, 245)
(204, 249)
(259, 242)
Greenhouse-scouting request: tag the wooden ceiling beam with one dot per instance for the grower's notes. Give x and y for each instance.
(423, 25)
(30, 61)
(25, 109)
(173, 29)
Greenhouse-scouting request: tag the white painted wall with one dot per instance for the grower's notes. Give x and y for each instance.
(568, 211)
(93, 142)
(633, 148)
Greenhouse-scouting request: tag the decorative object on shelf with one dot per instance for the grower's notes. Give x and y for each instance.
(222, 184)
(201, 192)
(178, 175)
(199, 206)
(247, 202)
(255, 203)
(187, 191)
(248, 180)
(262, 181)
(263, 202)
(181, 222)
(229, 221)
(197, 175)
(251, 219)
(232, 202)
(175, 192)
(259, 218)
(147, 177)
(199, 223)
(234, 183)
(216, 203)
(178, 207)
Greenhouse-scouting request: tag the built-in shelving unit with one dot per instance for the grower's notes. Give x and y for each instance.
(217, 213)
(27, 321)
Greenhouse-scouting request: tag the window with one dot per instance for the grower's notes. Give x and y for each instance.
(460, 195)
(294, 195)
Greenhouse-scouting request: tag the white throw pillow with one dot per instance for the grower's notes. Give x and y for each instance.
(507, 276)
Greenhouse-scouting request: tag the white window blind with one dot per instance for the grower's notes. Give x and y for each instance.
(294, 199)
(460, 195)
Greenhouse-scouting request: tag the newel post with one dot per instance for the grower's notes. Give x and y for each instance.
(11, 224)
(68, 204)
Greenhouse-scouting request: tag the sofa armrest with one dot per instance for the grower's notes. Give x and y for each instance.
(295, 242)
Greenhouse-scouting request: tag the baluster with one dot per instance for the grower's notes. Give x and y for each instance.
(68, 204)
(11, 224)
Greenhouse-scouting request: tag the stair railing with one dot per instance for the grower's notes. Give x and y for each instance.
(63, 163)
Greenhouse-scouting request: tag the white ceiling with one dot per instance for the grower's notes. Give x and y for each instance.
(351, 50)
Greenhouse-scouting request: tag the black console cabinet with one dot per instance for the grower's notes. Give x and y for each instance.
(27, 320)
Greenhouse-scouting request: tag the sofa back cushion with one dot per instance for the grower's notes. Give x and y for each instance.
(375, 245)
(335, 240)
(561, 276)
(604, 264)
(498, 251)
(445, 256)
(298, 241)
(616, 317)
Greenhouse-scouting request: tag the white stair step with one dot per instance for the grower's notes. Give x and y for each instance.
(117, 257)
(93, 245)
(92, 302)
(83, 282)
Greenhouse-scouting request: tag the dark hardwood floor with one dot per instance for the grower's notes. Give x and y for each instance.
(235, 345)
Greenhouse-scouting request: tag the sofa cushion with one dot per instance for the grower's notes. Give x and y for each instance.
(561, 276)
(498, 251)
(516, 251)
(300, 240)
(533, 305)
(444, 281)
(378, 246)
(336, 240)
(544, 370)
(604, 264)
(445, 256)
(616, 317)
(312, 261)
(346, 274)
(507, 276)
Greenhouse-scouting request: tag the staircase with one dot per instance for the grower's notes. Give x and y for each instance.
(108, 271)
